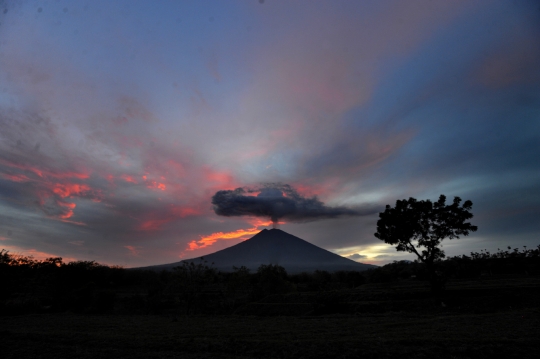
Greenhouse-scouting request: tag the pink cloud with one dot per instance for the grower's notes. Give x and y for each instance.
(135, 251)
(153, 224)
(217, 178)
(51, 187)
(69, 207)
(47, 173)
(331, 68)
(155, 220)
(155, 185)
(516, 62)
(64, 190)
(128, 179)
(16, 177)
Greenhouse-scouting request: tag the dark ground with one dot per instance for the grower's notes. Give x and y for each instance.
(477, 318)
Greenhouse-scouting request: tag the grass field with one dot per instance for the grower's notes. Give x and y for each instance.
(489, 318)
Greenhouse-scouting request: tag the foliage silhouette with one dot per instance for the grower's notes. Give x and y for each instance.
(189, 283)
(238, 287)
(272, 279)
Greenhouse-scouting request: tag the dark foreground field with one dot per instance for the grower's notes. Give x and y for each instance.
(477, 318)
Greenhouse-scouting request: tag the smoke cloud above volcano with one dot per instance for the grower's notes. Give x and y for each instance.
(278, 201)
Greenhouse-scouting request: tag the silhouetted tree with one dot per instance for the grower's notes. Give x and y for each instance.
(189, 282)
(5, 257)
(272, 279)
(413, 225)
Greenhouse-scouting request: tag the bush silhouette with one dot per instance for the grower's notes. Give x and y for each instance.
(272, 279)
(238, 287)
(189, 284)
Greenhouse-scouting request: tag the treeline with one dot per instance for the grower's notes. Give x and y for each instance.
(29, 286)
(484, 263)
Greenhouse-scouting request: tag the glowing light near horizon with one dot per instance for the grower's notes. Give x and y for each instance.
(374, 254)
(34, 254)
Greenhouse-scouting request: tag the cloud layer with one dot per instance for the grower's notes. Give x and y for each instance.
(121, 122)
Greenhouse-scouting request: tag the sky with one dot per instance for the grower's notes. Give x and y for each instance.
(121, 120)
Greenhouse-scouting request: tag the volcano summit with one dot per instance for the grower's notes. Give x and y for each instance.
(275, 246)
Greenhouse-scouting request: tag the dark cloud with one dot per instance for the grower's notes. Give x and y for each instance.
(278, 201)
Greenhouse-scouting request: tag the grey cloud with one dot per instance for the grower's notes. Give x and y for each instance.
(278, 201)
(356, 256)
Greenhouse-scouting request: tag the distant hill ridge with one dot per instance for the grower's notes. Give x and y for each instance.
(275, 246)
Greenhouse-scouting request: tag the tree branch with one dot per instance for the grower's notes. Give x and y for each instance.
(411, 246)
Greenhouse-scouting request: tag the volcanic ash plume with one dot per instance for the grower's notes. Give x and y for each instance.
(277, 201)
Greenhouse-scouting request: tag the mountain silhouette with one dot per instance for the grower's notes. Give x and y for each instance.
(275, 246)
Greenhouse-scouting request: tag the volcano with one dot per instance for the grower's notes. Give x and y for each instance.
(275, 246)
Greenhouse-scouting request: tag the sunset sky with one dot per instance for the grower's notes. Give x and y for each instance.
(119, 120)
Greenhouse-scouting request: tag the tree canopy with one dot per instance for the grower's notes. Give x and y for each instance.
(419, 226)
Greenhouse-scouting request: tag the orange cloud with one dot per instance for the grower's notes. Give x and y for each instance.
(206, 241)
(242, 234)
